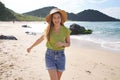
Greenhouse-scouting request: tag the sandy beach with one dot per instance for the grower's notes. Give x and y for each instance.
(85, 62)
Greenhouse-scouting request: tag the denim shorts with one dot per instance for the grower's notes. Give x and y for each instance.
(55, 59)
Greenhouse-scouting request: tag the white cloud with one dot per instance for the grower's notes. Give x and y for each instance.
(74, 6)
(97, 1)
(21, 6)
(113, 11)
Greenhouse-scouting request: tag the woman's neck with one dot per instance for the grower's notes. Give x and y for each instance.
(56, 27)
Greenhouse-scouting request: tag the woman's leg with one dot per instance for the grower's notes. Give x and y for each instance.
(59, 74)
(55, 74)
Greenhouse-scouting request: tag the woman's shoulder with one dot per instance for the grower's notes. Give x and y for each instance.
(64, 27)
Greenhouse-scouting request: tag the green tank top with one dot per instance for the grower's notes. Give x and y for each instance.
(60, 37)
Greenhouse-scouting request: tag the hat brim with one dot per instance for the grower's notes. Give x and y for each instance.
(63, 14)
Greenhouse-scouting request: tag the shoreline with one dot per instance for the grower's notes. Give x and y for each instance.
(91, 45)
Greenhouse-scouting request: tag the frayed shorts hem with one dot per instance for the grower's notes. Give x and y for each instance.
(55, 69)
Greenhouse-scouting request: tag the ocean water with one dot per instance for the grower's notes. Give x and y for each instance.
(107, 34)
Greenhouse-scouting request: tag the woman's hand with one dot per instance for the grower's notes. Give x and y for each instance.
(28, 50)
(60, 44)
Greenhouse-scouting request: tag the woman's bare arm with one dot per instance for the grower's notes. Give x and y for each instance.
(36, 43)
(67, 43)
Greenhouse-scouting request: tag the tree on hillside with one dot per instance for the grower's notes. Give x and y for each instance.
(5, 13)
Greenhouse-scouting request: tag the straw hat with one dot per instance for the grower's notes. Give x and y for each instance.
(54, 10)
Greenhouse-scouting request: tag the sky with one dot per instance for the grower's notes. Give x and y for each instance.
(109, 7)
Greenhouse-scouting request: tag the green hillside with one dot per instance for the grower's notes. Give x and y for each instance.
(9, 15)
(5, 13)
(40, 12)
(86, 15)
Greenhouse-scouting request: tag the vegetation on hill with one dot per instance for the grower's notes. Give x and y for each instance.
(86, 15)
(91, 15)
(5, 13)
(9, 15)
(20, 17)
(40, 12)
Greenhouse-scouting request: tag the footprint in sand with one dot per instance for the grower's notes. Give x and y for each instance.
(5, 52)
(19, 78)
(0, 50)
(89, 72)
(113, 73)
(15, 45)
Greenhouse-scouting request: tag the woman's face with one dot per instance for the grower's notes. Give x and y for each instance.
(56, 19)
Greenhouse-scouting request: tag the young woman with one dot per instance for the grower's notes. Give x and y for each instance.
(58, 37)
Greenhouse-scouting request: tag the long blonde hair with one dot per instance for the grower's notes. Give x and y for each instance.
(51, 25)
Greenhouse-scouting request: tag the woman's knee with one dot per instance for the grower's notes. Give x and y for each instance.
(53, 75)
